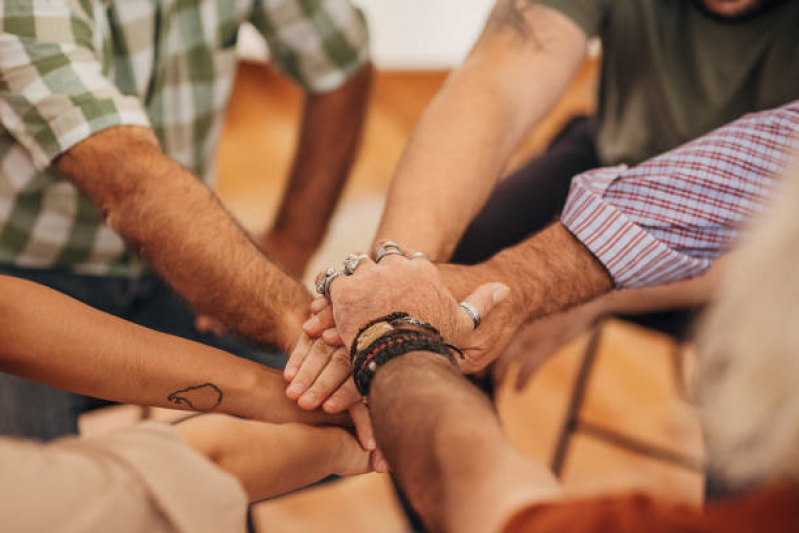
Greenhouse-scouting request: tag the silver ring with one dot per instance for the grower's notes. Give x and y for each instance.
(420, 255)
(323, 285)
(351, 263)
(388, 248)
(382, 254)
(472, 313)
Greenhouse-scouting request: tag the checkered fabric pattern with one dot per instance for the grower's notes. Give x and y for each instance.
(71, 68)
(668, 218)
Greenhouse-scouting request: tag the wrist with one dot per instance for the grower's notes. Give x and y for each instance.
(522, 302)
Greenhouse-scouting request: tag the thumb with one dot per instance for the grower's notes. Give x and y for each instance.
(484, 299)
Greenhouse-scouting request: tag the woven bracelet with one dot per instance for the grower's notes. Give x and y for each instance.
(399, 342)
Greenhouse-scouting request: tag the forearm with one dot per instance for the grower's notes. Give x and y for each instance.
(52, 339)
(548, 272)
(438, 433)
(267, 459)
(331, 130)
(691, 293)
(461, 145)
(179, 228)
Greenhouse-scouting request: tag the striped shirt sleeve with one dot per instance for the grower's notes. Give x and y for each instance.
(53, 92)
(669, 218)
(319, 44)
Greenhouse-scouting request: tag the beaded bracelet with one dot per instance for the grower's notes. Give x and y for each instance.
(366, 363)
(382, 326)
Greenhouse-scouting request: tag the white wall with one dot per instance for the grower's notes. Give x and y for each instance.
(423, 33)
(409, 34)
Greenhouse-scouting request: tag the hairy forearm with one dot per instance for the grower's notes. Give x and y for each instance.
(331, 130)
(267, 459)
(52, 339)
(438, 433)
(462, 143)
(180, 229)
(548, 272)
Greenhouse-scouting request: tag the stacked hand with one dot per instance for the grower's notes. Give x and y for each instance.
(319, 367)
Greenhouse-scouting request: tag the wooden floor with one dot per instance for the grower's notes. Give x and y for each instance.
(633, 396)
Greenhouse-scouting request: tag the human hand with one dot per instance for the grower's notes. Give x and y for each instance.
(486, 343)
(351, 459)
(411, 286)
(539, 340)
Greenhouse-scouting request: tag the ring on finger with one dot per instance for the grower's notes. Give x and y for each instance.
(351, 263)
(473, 312)
(420, 255)
(388, 248)
(383, 254)
(323, 285)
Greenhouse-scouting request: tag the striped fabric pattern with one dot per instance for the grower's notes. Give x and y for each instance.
(71, 68)
(668, 218)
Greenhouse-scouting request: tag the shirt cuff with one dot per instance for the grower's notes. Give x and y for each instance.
(633, 257)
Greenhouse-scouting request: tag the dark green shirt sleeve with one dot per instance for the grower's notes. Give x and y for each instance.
(588, 14)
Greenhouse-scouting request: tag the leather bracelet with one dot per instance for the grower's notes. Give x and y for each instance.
(366, 363)
(384, 325)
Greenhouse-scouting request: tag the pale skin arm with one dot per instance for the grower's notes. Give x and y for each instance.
(535, 342)
(690, 293)
(182, 232)
(515, 74)
(48, 337)
(332, 125)
(269, 459)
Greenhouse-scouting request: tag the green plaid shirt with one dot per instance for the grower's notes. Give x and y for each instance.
(71, 68)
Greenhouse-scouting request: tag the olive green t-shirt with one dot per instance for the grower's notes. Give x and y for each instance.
(672, 72)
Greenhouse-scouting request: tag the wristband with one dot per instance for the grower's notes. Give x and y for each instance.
(401, 334)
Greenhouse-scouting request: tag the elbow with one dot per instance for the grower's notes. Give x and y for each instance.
(110, 168)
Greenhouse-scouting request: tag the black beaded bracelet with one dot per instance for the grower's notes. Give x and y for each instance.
(399, 342)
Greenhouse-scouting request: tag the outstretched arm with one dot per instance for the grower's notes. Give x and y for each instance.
(516, 72)
(332, 125)
(160, 478)
(182, 232)
(270, 459)
(445, 444)
(53, 339)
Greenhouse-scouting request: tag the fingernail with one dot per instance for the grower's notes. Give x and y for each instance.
(309, 399)
(371, 444)
(331, 405)
(289, 372)
(382, 465)
(501, 293)
(310, 323)
(295, 389)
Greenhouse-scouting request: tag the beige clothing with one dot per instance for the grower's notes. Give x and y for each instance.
(144, 478)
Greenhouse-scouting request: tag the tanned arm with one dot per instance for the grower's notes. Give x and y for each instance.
(48, 337)
(516, 72)
(447, 449)
(180, 229)
(547, 273)
(332, 125)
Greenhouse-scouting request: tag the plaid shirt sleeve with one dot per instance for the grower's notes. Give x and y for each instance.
(668, 218)
(318, 43)
(54, 93)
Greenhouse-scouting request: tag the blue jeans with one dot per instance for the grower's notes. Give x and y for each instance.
(30, 409)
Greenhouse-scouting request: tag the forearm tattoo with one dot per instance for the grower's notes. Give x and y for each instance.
(516, 15)
(201, 398)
